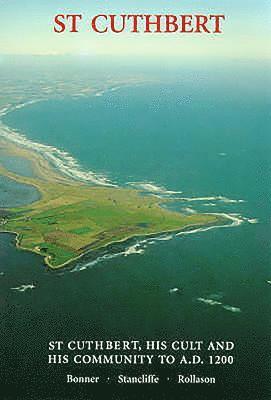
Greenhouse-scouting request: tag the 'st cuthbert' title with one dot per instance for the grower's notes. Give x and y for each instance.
(141, 23)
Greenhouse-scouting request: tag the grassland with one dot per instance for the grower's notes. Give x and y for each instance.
(72, 218)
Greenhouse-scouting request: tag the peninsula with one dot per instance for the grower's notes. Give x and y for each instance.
(72, 218)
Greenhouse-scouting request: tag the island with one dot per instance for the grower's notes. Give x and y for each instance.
(72, 218)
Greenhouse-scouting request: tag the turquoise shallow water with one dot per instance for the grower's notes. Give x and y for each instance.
(204, 140)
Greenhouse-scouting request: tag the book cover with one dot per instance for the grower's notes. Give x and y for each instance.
(135, 200)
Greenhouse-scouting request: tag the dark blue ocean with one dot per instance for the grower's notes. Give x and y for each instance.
(206, 138)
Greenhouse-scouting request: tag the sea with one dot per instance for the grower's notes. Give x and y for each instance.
(202, 140)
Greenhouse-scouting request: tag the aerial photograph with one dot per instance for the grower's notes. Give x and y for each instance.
(135, 212)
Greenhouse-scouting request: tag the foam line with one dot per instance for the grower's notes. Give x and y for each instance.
(235, 222)
(212, 302)
(231, 308)
(23, 288)
(130, 250)
(219, 198)
(139, 247)
(189, 210)
(62, 160)
(152, 188)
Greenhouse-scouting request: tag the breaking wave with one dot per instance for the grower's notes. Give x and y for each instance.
(137, 248)
(140, 246)
(189, 210)
(9, 107)
(151, 187)
(174, 290)
(221, 199)
(69, 166)
(232, 309)
(236, 221)
(164, 238)
(60, 159)
(162, 192)
(252, 220)
(212, 302)
(23, 288)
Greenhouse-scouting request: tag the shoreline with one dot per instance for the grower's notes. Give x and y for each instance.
(46, 173)
(50, 174)
(126, 239)
(72, 169)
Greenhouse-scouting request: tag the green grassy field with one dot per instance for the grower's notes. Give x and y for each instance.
(71, 219)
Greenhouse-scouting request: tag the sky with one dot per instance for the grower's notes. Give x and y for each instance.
(26, 27)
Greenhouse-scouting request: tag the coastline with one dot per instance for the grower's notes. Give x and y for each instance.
(153, 235)
(46, 174)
